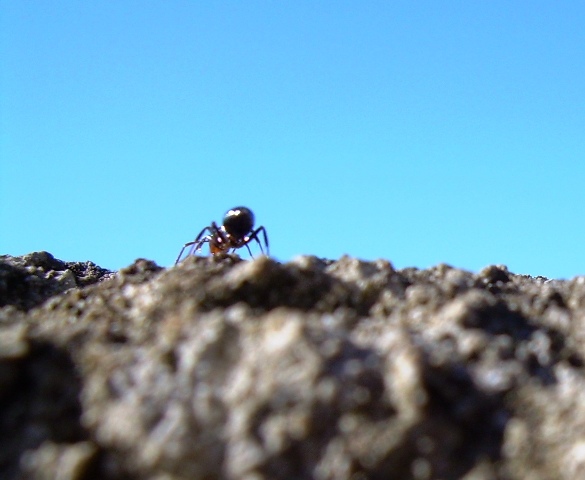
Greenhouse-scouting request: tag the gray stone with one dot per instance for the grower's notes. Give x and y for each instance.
(318, 369)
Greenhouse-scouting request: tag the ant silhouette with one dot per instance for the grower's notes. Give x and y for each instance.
(235, 232)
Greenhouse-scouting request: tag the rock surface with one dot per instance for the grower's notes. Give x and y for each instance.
(222, 368)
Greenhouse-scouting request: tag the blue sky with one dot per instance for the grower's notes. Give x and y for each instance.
(421, 132)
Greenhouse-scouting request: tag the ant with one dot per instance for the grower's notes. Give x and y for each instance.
(236, 232)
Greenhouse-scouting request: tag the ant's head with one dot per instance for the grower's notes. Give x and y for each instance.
(238, 221)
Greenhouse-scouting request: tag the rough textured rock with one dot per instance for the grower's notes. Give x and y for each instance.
(221, 368)
(28, 281)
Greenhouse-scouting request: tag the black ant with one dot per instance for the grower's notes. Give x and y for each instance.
(236, 232)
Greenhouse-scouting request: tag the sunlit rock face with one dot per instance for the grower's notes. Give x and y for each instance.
(221, 368)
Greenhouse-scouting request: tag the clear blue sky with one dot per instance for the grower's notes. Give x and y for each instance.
(422, 132)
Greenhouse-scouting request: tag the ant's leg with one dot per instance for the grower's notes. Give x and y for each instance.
(266, 241)
(244, 242)
(255, 236)
(247, 240)
(195, 244)
(182, 250)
